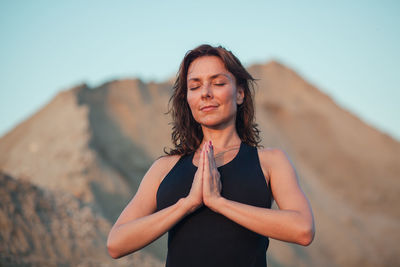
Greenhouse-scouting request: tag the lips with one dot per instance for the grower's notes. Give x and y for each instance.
(209, 107)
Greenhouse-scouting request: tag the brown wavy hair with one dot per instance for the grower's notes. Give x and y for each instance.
(186, 132)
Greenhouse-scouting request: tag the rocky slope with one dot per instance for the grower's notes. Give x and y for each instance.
(38, 228)
(96, 144)
(348, 169)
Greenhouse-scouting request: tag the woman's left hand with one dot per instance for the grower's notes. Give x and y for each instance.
(211, 179)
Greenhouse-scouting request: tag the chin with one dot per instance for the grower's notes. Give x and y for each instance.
(214, 123)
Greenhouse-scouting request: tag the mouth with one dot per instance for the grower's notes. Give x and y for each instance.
(208, 108)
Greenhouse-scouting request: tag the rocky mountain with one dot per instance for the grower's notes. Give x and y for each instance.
(95, 145)
(348, 169)
(38, 228)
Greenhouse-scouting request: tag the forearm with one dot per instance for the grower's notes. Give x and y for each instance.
(285, 225)
(136, 234)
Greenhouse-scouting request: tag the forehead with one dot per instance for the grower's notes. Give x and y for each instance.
(207, 66)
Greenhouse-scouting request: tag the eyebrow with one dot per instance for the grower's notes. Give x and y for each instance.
(212, 77)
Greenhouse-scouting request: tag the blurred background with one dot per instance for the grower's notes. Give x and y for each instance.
(83, 90)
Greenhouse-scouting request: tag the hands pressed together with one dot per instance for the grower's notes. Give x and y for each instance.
(206, 186)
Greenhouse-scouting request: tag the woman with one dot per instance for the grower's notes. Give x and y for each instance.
(214, 190)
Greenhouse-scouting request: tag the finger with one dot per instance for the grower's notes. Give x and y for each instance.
(201, 160)
(207, 162)
(212, 159)
(214, 164)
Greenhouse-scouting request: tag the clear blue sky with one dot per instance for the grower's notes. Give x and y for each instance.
(348, 49)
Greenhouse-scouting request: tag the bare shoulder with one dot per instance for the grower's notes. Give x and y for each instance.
(145, 201)
(271, 154)
(271, 158)
(163, 165)
(154, 175)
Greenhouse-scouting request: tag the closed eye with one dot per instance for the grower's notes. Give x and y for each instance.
(193, 88)
(219, 84)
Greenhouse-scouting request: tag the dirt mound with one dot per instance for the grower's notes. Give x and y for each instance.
(38, 228)
(96, 144)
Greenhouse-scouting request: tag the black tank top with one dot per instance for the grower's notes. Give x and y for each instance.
(206, 238)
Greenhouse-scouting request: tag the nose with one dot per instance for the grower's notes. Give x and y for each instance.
(206, 90)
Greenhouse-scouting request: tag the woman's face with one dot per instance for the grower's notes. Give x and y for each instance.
(212, 93)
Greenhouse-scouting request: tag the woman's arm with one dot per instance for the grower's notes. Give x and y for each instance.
(128, 237)
(293, 222)
(138, 225)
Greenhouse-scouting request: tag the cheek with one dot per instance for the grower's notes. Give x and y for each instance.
(228, 97)
(191, 101)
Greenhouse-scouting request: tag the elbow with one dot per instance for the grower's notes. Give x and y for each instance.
(306, 235)
(113, 246)
(116, 248)
(113, 254)
(112, 251)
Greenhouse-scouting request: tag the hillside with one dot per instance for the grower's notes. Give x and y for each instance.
(97, 143)
(38, 228)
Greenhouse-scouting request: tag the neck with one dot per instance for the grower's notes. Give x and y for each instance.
(221, 138)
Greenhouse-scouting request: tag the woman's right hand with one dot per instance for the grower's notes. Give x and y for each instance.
(195, 196)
